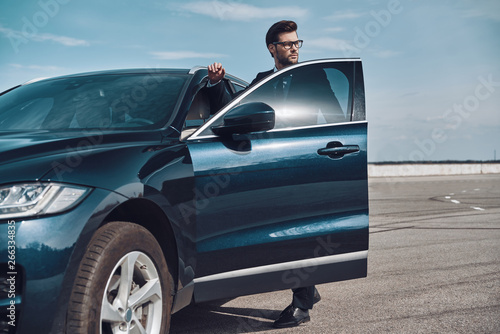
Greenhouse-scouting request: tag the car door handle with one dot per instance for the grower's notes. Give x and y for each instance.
(337, 150)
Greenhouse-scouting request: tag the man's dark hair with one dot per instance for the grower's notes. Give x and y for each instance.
(278, 28)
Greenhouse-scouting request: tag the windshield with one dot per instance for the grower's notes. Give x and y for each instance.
(88, 102)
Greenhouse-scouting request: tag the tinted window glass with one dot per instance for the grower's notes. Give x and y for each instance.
(309, 95)
(99, 101)
(238, 88)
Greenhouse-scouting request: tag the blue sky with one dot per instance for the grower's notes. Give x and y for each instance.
(432, 69)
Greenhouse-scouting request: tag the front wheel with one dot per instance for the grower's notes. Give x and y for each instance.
(123, 284)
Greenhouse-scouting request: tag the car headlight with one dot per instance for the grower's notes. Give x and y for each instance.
(35, 199)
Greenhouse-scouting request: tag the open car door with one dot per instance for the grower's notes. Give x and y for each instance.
(283, 205)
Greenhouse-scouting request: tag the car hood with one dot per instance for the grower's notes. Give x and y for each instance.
(86, 158)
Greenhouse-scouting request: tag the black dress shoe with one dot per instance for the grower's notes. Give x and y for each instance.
(291, 317)
(316, 299)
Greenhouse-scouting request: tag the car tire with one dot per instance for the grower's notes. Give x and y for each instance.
(106, 300)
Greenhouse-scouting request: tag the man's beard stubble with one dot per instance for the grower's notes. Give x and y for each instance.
(285, 61)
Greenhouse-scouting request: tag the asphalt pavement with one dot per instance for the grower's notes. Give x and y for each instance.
(433, 267)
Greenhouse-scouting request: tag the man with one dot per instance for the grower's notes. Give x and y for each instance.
(283, 43)
(279, 40)
(311, 85)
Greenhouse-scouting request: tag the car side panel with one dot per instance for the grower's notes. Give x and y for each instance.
(269, 198)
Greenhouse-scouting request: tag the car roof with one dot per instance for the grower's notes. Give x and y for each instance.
(121, 72)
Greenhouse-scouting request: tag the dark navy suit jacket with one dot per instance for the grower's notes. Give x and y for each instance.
(260, 76)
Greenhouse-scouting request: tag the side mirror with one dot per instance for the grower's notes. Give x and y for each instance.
(246, 118)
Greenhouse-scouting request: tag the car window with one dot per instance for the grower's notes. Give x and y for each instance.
(309, 95)
(202, 109)
(34, 112)
(94, 101)
(199, 110)
(238, 87)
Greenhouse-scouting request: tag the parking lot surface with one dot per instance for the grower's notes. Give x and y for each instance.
(434, 267)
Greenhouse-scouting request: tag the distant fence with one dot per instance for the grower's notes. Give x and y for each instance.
(427, 169)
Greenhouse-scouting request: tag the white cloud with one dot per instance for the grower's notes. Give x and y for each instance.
(48, 68)
(483, 9)
(386, 54)
(329, 43)
(176, 55)
(345, 15)
(64, 40)
(233, 11)
(478, 13)
(18, 37)
(334, 29)
(347, 47)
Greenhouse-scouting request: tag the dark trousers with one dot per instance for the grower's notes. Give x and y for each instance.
(303, 297)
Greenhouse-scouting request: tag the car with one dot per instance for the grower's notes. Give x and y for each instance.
(126, 195)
